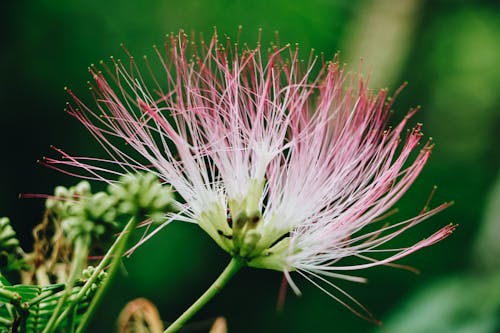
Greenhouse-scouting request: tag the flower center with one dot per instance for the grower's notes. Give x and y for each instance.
(241, 231)
(245, 234)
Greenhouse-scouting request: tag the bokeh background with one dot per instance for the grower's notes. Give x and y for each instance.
(448, 51)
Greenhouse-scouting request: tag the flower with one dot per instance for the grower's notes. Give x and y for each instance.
(285, 164)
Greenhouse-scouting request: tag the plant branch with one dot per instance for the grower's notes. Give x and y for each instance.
(231, 269)
(80, 253)
(116, 252)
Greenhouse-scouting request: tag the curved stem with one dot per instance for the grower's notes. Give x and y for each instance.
(100, 268)
(81, 250)
(117, 253)
(233, 267)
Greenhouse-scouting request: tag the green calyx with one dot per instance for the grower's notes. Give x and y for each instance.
(273, 257)
(247, 233)
(242, 232)
(244, 218)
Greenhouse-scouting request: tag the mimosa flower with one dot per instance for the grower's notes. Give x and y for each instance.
(283, 163)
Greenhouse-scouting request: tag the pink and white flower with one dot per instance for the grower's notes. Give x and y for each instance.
(283, 168)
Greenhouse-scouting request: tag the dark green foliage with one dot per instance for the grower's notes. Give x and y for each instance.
(27, 308)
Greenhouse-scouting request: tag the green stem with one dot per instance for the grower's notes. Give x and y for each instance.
(231, 269)
(80, 253)
(102, 265)
(12, 296)
(40, 297)
(117, 251)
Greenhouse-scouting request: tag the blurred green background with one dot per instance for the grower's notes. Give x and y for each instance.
(448, 51)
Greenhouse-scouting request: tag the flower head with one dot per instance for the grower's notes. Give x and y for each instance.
(283, 163)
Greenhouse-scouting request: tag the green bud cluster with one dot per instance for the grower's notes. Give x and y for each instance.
(87, 273)
(83, 216)
(82, 213)
(142, 194)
